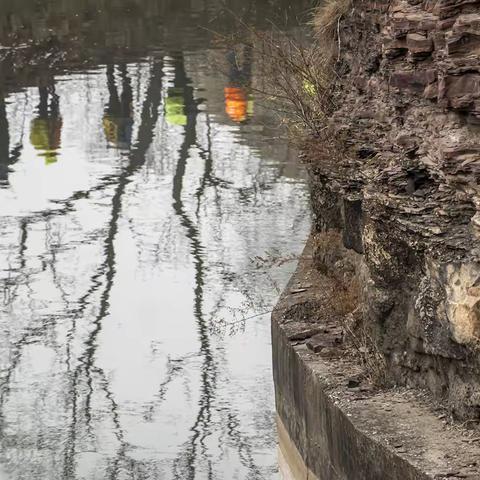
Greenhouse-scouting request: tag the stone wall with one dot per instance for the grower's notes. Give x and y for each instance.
(397, 174)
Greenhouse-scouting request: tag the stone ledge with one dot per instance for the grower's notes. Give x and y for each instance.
(349, 433)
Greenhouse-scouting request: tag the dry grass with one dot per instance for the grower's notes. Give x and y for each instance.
(328, 17)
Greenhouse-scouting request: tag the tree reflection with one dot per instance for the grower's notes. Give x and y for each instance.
(136, 159)
(8, 156)
(184, 466)
(41, 261)
(4, 141)
(102, 280)
(238, 100)
(118, 118)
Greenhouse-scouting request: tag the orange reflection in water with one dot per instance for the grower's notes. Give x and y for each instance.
(236, 103)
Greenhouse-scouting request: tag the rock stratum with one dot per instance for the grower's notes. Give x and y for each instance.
(396, 180)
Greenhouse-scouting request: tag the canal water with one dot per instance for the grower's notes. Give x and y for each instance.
(150, 215)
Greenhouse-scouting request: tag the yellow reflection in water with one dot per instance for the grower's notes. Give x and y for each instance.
(175, 107)
(45, 134)
(46, 127)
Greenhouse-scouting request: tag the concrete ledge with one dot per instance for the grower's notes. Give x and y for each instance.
(292, 466)
(344, 433)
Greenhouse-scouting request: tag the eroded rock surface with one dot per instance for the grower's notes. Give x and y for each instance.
(397, 180)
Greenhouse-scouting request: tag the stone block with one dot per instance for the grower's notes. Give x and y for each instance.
(419, 44)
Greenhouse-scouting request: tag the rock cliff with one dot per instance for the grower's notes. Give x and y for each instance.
(395, 190)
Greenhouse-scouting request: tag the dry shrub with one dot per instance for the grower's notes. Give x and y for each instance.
(297, 79)
(341, 266)
(358, 332)
(347, 296)
(359, 335)
(328, 251)
(295, 75)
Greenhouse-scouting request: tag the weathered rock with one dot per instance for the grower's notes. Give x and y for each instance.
(462, 288)
(396, 181)
(413, 80)
(419, 44)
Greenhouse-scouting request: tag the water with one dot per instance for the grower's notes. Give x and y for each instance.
(148, 211)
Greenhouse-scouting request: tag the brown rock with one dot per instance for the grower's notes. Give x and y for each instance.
(467, 23)
(446, 24)
(317, 343)
(462, 43)
(393, 48)
(431, 91)
(403, 23)
(415, 80)
(460, 91)
(419, 44)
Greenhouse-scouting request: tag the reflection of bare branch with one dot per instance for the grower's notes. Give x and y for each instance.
(243, 446)
(52, 247)
(137, 158)
(174, 368)
(184, 465)
(273, 258)
(116, 421)
(208, 179)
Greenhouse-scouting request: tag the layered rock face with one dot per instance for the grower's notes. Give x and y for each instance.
(398, 175)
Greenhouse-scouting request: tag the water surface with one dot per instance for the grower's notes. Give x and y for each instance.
(148, 209)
